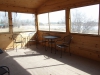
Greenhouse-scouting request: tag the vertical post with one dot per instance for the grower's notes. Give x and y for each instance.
(36, 22)
(10, 22)
(49, 21)
(99, 22)
(67, 21)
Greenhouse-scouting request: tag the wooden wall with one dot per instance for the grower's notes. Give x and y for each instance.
(84, 45)
(6, 41)
(54, 5)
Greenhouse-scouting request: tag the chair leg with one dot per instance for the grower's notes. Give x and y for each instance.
(61, 53)
(55, 49)
(64, 49)
(21, 45)
(27, 44)
(45, 46)
(8, 73)
(16, 47)
(36, 44)
(69, 51)
(13, 45)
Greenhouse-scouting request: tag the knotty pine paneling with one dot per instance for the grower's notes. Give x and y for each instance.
(6, 41)
(87, 46)
(23, 3)
(54, 5)
(82, 45)
(16, 9)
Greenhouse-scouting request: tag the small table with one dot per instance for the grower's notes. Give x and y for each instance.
(50, 38)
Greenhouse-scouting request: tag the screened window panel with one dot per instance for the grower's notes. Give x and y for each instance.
(23, 22)
(85, 19)
(43, 22)
(57, 21)
(4, 24)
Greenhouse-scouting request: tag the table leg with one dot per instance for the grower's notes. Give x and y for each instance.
(51, 45)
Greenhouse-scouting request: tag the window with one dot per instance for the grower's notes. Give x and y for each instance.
(53, 21)
(4, 24)
(57, 21)
(23, 22)
(43, 22)
(85, 19)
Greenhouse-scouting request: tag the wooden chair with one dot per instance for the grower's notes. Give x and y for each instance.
(63, 43)
(18, 39)
(4, 70)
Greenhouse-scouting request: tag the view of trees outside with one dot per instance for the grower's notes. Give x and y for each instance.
(56, 21)
(23, 22)
(4, 25)
(85, 19)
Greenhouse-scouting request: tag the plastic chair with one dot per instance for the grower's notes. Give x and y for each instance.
(18, 39)
(32, 37)
(4, 70)
(63, 43)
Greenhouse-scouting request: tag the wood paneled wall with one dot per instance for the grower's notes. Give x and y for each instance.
(16, 9)
(83, 45)
(86, 45)
(6, 41)
(54, 5)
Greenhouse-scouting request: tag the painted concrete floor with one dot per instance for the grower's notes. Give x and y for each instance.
(32, 61)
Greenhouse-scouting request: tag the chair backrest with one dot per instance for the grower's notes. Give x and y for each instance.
(67, 39)
(17, 37)
(4, 70)
(32, 35)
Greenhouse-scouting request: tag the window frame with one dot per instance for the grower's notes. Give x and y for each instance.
(7, 22)
(24, 31)
(49, 21)
(98, 34)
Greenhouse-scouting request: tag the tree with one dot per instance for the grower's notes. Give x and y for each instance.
(80, 23)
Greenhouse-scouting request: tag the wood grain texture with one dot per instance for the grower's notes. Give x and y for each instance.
(54, 5)
(23, 3)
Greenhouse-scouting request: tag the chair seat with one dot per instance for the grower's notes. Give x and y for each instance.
(43, 41)
(3, 71)
(18, 42)
(62, 46)
(32, 40)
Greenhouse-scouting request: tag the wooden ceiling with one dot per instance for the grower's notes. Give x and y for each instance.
(23, 3)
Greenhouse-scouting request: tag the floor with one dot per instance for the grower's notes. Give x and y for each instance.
(33, 61)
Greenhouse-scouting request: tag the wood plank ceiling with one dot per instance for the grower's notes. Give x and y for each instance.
(23, 3)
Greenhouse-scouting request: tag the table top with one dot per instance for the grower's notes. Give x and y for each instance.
(51, 37)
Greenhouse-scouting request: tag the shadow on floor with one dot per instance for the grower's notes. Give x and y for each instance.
(89, 66)
(15, 68)
(84, 64)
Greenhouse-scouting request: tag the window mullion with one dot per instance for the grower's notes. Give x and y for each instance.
(49, 21)
(99, 22)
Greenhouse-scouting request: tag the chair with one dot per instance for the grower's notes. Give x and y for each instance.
(43, 40)
(63, 43)
(4, 70)
(18, 39)
(32, 37)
